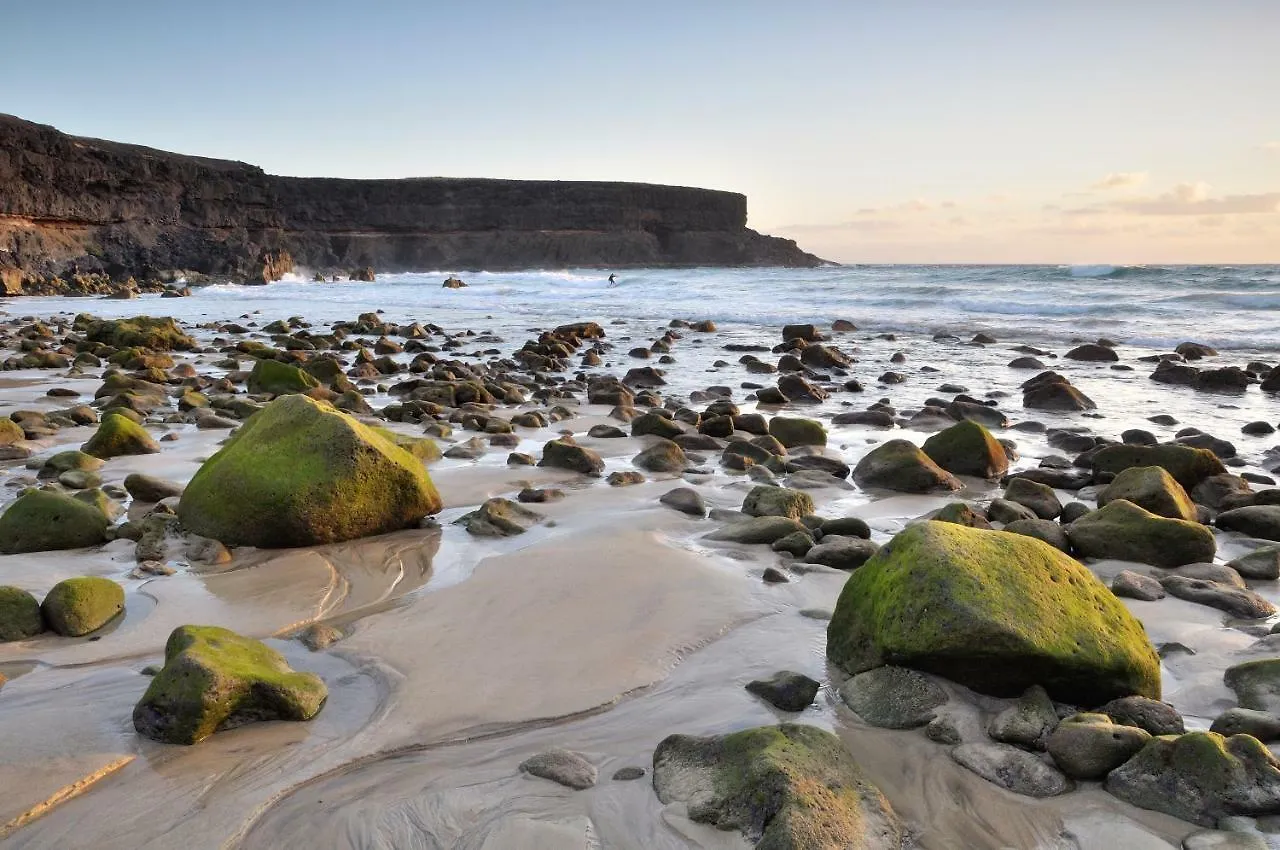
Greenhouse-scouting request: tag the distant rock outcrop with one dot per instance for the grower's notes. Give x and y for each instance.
(100, 212)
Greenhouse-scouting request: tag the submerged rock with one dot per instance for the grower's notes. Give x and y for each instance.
(215, 679)
(997, 612)
(787, 787)
(499, 518)
(762, 529)
(299, 473)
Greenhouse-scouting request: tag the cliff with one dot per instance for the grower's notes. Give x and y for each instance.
(74, 205)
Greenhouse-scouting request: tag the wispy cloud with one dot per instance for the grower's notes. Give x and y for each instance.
(1121, 180)
(1195, 199)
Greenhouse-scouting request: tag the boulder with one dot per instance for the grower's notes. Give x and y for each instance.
(562, 767)
(1012, 769)
(1126, 532)
(1092, 352)
(19, 614)
(1247, 721)
(1261, 564)
(1039, 498)
(1026, 723)
(967, 448)
(662, 456)
(300, 473)
(1089, 746)
(157, 334)
(893, 697)
(215, 679)
(786, 690)
(764, 529)
(1152, 488)
(994, 611)
(1188, 466)
(43, 521)
(1254, 520)
(686, 500)
(271, 377)
(1130, 585)
(499, 518)
(118, 435)
(147, 488)
(765, 500)
(1200, 777)
(566, 454)
(792, 432)
(787, 787)
(1050, 391)
(78, 606)
(961, 513)
(841, 553)
(1256, 684)
(901, 465)
(1045, 530)
(1236, 601)
(1156, 717)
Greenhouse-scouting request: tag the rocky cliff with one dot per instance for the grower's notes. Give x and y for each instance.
(71, 205)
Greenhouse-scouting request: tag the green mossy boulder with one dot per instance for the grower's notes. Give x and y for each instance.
(72, 460)
(960, 513)
(1188, 466)
(19, 614)
(215, 679)
(794, 431)
(157, 334)
(1125, 532)
(765, 500)
(901, 465)
(271, 377)
(1200, 777)
(118, 435)
(1152, 488)
(787, 787)
(78, 606)
(997, 612)
(300, 473)
(423, 448)
(43, 521)
(967, 448)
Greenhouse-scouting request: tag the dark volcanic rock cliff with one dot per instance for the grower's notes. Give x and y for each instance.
(75, 205)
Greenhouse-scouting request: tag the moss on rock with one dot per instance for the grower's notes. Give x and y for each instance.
(994, 611)
(766, 500)
(43, 521)
(901, 465)
(787, 787)
(1126, 532)
(275, 378)
(1151, 488)
(794, 431)
(118, 435)
(1188, 466)
(967, 448)
(215, 679)
(19, 614)
(78, 606)
(298, 473)
(157, 334)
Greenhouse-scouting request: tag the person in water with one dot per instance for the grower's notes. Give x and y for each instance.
(613, 280)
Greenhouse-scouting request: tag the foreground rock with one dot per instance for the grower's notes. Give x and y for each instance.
(1089, 746)
(784, 787)
(967, 448)
(118, 435)
(214, 679)
(78, 606)
(19, 614)
(994, 611)
(901, 465)
(1126, 532)
(1150, 488)
(562, 767)
(893, 697)
(299, 473)
(1200, 777)
(1255, 520)
(43, 521)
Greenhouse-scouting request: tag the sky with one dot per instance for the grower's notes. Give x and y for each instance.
(1057, 131)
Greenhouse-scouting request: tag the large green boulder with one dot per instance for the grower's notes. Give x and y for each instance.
(1188, 466)
(78, 606)
(767, 500)
(215, 679)
(1200, 777)
(1125, 532)
(997, 612)
(19, 614)
(794, 431)
(300, 473)
(43, 521)
(967, 448)
(901, 465)
(1152, 488)
(157, 334)
(118, 435)
(787, 787)
(271, 377)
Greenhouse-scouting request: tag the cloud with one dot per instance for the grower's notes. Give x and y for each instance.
(1121, 180)
(1270, 147)
(1194, 199)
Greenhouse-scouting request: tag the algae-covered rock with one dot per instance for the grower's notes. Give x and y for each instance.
(19, 614)
(78, 606)
(1188, 466)
(42, 521)
(1126, 532)
(423, 448)
(1038, 498)
(566, 454)
(275, 378)
(901, 465)
(967, 448)
(119, 435)
(1151, 488)
(215, 679)
(794, 431)
(787, 787)
(766, 500)
(997, 612)
(298, 473)
(157, 334)
(1089, 746)
(960, 513)
(1200, 777)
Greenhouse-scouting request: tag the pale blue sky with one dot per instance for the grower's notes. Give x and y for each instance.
(874, 131)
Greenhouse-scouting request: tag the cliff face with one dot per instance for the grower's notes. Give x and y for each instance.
(70, 204)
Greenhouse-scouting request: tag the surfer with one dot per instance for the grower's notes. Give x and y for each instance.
(613, 280)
